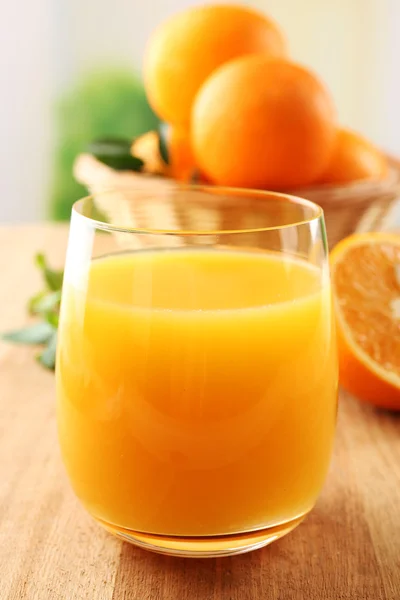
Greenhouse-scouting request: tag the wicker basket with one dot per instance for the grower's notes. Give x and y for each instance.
(359, 206)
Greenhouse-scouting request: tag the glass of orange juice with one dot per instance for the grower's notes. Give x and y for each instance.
(196, 367)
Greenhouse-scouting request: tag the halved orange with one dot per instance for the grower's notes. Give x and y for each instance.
(366, 288)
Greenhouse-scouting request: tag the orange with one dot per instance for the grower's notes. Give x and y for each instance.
(259, 122)
(354, 158)
(181, 157)
(189, 46)
(366, 286)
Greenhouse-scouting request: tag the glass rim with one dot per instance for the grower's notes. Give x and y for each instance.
(318, 213)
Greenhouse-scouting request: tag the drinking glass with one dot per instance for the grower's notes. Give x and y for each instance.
(196, 366)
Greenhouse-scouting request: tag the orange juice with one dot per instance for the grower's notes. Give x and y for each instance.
(197, 389)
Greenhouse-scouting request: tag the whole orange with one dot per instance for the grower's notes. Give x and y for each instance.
(263, 123)
(189, 46)
(354, 158)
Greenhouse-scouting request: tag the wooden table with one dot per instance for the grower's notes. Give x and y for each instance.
(349, 548)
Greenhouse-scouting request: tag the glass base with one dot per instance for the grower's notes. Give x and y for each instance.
(207, 546)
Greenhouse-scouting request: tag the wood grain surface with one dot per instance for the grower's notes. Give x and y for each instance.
(348, 548)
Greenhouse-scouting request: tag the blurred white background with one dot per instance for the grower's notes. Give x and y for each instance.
(354, 45)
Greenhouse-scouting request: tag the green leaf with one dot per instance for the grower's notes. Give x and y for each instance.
(52, 318)
(44, 302)
(39, 333)
(34, 303)
(110, 145)
(47, 358)
(53, 278)
(162, 143)
(116, 153)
